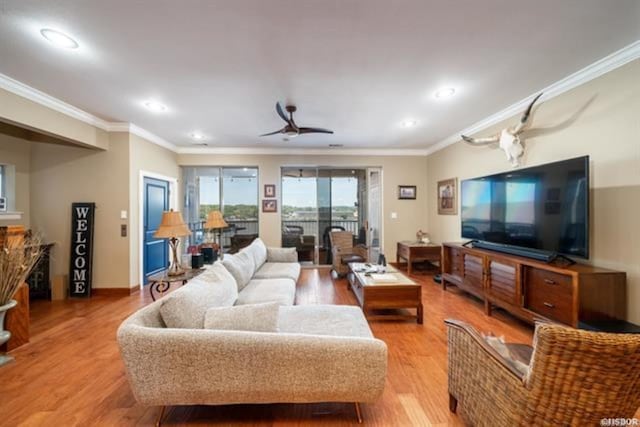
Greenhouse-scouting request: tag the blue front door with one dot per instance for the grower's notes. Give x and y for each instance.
(155, 251)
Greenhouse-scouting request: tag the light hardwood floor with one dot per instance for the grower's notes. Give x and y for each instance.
(71, 373)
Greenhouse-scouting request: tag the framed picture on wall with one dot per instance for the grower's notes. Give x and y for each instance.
(407, 192)
(448, 197)
(269, 206)
(269, 190)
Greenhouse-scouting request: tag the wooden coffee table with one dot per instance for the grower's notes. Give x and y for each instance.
(415, 251)
(403, 293)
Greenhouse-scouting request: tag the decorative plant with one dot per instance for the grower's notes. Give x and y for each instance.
(17, 259)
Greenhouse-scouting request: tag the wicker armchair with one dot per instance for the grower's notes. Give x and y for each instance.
(343, 252)
(575, 378)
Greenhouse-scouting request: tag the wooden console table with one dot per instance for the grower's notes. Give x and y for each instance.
(531, 289)
(416, 251)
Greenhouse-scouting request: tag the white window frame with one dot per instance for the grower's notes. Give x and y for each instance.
(3, 180)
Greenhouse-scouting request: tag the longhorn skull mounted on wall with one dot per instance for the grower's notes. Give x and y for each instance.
(509, 138)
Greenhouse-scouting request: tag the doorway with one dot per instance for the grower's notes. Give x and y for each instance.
(317, 200)
(155, 200)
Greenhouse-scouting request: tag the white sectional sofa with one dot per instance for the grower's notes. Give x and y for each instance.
(229, 337)
(264, 274)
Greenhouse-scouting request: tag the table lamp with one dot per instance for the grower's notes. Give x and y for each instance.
(171, 227)
(215, 221)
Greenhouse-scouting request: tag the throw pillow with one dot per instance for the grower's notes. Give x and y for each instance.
(226, 285)
(186, 307)
(249, 317)
(258, 251)
(498, 344)
(241, 267)
(282, 255)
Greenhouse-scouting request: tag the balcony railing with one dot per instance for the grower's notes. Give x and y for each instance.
(236, 226)
(250, 226)
(310, 227)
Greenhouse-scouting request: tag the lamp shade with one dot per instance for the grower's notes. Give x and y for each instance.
(171, 225)
(215, 220)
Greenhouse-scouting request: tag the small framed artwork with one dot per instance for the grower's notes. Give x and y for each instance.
(269, 206)
(448, 197)
(269, 190)
(407, 192)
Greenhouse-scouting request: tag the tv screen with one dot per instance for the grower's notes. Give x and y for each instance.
(542, 207)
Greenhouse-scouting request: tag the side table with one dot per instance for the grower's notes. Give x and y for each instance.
(161, 281)
(416, 251)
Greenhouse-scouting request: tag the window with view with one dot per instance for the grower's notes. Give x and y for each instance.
(231, 190)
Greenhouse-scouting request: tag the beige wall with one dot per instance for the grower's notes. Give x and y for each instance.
(61, 175)
(396, 170)
(600, 119)
(22, 112)
(145, 156)
(15, 150)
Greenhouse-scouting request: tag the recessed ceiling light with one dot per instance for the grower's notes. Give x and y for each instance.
(155, 106)
(59, 39)
(409, 123)
(196, 136)
(445, 92)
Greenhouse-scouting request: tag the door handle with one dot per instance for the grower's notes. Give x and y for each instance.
(549, 281)
(548, 304)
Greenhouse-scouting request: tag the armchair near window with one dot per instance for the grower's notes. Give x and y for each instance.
(574, 377)
(343, 251)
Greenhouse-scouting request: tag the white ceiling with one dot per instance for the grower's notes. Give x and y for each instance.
(359, 67)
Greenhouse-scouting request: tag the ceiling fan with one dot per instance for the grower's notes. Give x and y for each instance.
(291, 129)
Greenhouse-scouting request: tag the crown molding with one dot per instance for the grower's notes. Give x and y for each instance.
(303, 151)
(609, 63)
(32, 94)
(152, 137)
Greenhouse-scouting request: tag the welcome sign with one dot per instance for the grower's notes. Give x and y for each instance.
(81, 260)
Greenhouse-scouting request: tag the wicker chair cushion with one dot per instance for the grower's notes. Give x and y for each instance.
(512, 353)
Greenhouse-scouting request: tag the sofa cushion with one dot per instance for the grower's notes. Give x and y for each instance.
(241, 266)
(258, 252)
(333, 320)
(249, 317)
(217, 272)
(186, 307)
(282, 255)
(282, 291)
(278, 270)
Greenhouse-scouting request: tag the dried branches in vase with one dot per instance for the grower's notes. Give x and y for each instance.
(17, 259)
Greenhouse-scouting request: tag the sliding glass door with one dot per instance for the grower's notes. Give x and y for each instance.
(300, 211)
(317, 200)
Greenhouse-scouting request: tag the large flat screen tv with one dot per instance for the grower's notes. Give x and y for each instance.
(543, 208)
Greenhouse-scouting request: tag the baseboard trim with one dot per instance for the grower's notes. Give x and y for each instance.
(114, 292)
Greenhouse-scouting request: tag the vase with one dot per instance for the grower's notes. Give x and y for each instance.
(5, 335)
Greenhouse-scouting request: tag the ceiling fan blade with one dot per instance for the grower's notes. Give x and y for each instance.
(281, 113)
(272, 133)
(314, 130)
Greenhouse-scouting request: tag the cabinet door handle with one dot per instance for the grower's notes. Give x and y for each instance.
(549, 281)
(548, 304)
